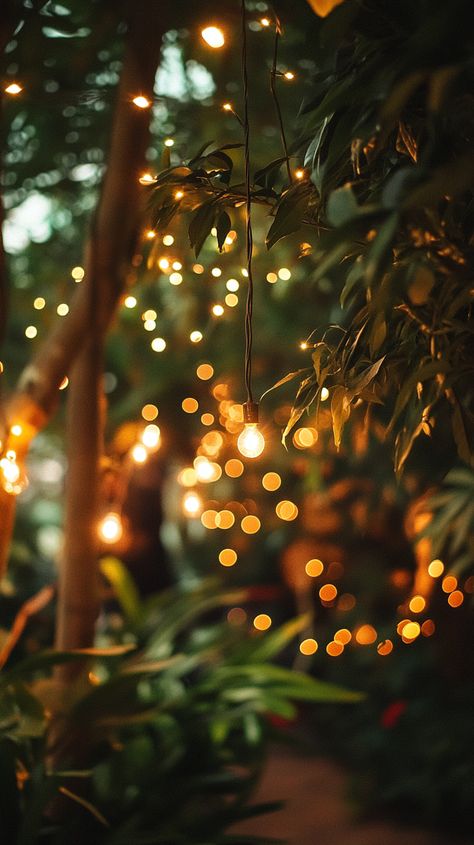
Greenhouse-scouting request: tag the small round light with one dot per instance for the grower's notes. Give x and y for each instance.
(110, 528)
(195, 337)
(158, 344)
(262, 622)
(141, 102)
(14, 88)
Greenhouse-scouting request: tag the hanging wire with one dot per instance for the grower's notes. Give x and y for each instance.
(248, 218)
(273, 75)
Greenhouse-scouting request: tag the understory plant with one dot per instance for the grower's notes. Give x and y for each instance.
(162, 739)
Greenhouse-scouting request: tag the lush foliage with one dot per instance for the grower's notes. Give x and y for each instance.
(165, 741)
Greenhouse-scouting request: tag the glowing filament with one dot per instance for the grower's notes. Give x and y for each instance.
(251, 441)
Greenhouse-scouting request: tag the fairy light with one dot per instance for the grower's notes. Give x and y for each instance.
(163, 264)
(190, 405)
(272, 278)
(198, 269)
(141, 102)
(262, 622)
(232, 285)
(284, 274)
(271, 481)
(150, 234)
(149, 325)
(265, 22)
(149, 412)
(176, 265)
(151, 436)
(251, 441)
(234, 468)
(158, 344)
(175, 279)
(16, 430)
(31, 332)
(289, 75)
(64, 383)
(130, 302)
(179, 195)
(308, 646)
(13, 89)
(139, 453)
(62, 309)
(192, 504)
(205, 372)
(385, 647)
(195, 336)
(168, 240)
(216, 272)
(227, 557)
(39, 303)
(231, 300)
(436, 568)
(12, 478)
(169, 142)
(78, 273)
(299, 173)
(110, 528)
(217, 310)
(146, 179)
(213, 36)
(227, 107)
(324, 394)
(250, 524)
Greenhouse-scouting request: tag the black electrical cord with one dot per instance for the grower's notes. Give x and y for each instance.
(248, 218)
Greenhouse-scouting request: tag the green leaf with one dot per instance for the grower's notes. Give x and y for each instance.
(124, 587)
(201, 225)
(342, 206)
(224, 225)
(290, 212)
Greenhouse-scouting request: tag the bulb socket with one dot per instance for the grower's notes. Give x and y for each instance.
(250, 410)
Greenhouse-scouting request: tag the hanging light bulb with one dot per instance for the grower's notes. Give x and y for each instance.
(111, 528)
(12, 478)
(251, 441)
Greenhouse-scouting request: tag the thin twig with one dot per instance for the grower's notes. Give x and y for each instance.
(273, 76)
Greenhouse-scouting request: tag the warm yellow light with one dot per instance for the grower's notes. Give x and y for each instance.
(289, 75)
(206, 470)
(262, 622)
(234, 468)
(163, 264)
(232, 285)
(198, 269)
(169, 142)
(227, 557)
(149, 412)
(385, 647)
(111, 528)
(151, 436)
(225, 519)
(299, 173)
(146, 179)
(216, 272)
(187, 477)
(130, 301)
(139, 453)
(227, 106)
(31, 332)
(286, 510)
(456, 598)
(158, 344)
(205, 372)
(14, 88)
(324, 394)
(62, 309)
(265, 21)
(449, 584)
(64, 383)
(417, 604)
(308, 646)
(175, 278)
(179, 195)
(208, 519)
(328, 592)
(10, 469)
(149, 325)
(192, 504)
(213, 36)
(314, 567)
(168, 240)
(16, 430)
(272, 278)
(39, 303)
(12, 479)
(149, 314)
(271, 481)
(207, 419)
(78, 273)
(141, 102)
(250, 524)
(251, 441)
(195, 337)
(334, 649)
(150, 234)
(217, 310)
(190, 405)
(284, 274)
(231, 300)
(343, 635)
(366, 635)
(411, 630)
(436, 568)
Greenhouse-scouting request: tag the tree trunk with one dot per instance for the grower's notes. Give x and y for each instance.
(112, 247)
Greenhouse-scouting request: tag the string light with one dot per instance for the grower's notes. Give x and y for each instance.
(251, 441)
(130, 302)
(151, 436)
(213, 36)
(78, 273)
(31, 332)
(139, 453)
(289, 75)
(110, 528)
(227, 106)
(168, 240)
(217, 310)
(262, 622)
(299, 173)
(39, 303)
(169, 142)
(141, 102)
(146, 179)
(13, 89)
(179, 195)
(265, 22)
(150, 234)
(158, 344)
(195, 337)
